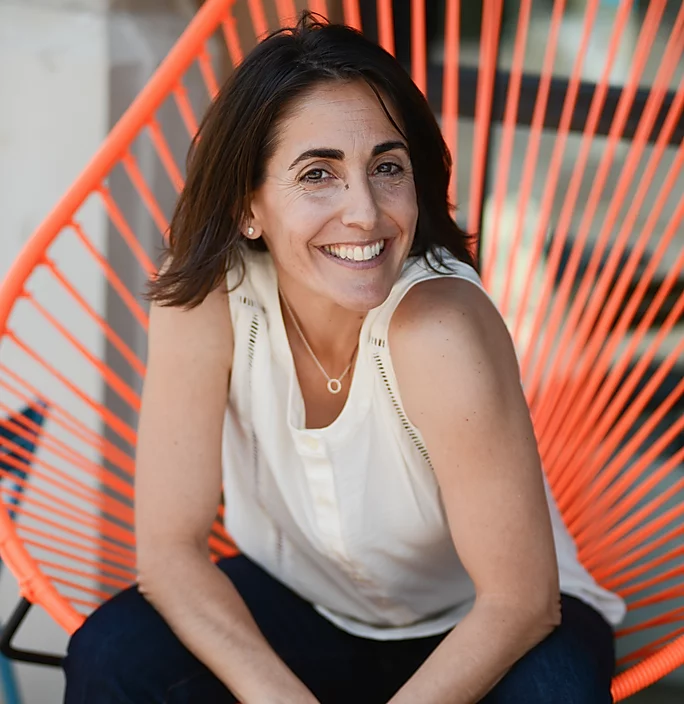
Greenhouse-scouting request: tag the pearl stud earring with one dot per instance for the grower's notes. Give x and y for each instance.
(250, 230)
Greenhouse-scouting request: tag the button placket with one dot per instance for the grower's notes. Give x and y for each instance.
(320, 480)
(321, 484)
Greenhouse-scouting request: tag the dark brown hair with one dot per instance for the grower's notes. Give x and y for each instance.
(238, 134)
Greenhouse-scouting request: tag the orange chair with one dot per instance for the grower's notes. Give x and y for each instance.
(576, 189)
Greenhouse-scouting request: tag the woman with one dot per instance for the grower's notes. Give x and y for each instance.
(319, 333)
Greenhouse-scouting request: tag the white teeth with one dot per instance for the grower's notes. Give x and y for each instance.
(358, 254)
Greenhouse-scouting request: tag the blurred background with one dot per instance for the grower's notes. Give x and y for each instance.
(68, 70)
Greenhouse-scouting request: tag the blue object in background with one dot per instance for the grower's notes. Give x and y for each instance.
(28, 418)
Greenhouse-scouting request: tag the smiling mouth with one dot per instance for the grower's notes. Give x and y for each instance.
(355, 253)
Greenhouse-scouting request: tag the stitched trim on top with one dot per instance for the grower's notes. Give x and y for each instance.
(253, 332)
(249, 302)
(420, 446)
(251, 344)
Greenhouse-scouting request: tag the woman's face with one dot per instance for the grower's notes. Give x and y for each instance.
(337, 207)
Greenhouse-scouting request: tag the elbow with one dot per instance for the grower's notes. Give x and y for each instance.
(149, 562)
(149, 581)
(152, 568)
(529, 618)
(157, 559)
(545, 615)
(550, 618)
(153, 581)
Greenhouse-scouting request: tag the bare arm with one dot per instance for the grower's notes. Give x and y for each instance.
(459, 381)
(178, 485)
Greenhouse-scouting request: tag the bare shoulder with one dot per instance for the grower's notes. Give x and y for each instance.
(453, 357)
(450, 319)
(200, 334)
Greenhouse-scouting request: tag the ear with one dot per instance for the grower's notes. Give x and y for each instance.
(251, 226)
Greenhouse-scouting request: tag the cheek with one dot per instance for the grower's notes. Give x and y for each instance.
(400, 202)
(308, 211)
(295, 220)
(292, 231)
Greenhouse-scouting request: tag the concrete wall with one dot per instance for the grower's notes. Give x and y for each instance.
(54, 98)
(68, 69)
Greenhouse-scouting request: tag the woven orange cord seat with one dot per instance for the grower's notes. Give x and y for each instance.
(576, 189)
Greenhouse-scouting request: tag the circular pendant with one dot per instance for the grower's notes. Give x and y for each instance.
(334, 386)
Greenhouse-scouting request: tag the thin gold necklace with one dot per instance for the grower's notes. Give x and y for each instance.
(334, 385)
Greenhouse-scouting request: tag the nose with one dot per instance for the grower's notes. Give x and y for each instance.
(360, 207)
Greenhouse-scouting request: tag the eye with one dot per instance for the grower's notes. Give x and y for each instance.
(315, 176)
(389, 168)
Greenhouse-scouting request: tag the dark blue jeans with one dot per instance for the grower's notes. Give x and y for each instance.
(125, 653)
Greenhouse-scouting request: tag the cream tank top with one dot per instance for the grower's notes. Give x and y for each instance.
(348, 516)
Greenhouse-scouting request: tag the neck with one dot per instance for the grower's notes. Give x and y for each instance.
(331, 330)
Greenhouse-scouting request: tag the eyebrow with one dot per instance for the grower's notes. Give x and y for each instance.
(338, 154)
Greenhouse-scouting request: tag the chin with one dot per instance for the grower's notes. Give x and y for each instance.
(365, 301)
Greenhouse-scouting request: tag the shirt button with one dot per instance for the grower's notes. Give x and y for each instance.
(358, 576)
(324, 500)
(311, 443)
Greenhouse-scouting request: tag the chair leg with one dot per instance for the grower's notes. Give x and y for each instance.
(8, 632)
(10, 688)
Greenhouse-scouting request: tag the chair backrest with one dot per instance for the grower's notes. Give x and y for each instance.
(20, 433)
(572, 172)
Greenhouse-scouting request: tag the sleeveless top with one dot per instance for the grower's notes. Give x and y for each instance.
(348, 516)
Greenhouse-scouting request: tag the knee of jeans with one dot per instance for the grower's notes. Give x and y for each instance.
(84, 654)
(94, 654)
(557, 672)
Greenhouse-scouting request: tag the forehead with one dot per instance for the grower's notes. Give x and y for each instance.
(335, 114)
